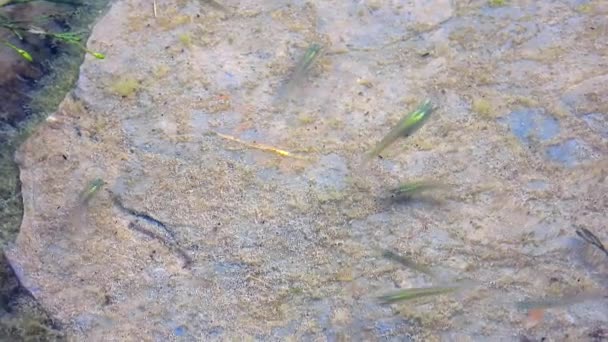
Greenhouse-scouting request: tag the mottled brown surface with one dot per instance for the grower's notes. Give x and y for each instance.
(289, 248)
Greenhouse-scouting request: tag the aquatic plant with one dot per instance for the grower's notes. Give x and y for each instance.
(482, 107)
(125, 86)
(22, 29)
(496, 3)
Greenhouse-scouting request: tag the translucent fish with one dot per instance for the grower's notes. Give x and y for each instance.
(305, 63)
(310, 56)
(415, 293)
(408, 190)
(405, 127)
(89, 192)
(215, 5)
(407, 262)
(553, 302)
(78, 214)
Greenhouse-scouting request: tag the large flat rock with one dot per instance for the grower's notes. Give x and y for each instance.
(196, 236)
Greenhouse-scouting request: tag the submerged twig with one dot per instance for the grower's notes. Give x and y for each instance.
(258, 146)
(590, 238)
(154, 8)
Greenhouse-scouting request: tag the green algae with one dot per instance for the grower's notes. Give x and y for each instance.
(497, 3)
(125, 86)
(482, 107)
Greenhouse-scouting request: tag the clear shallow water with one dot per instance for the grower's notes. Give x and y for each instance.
(30, 92)
(285, 247)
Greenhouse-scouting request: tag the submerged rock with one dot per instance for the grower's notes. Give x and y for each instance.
(201, 236)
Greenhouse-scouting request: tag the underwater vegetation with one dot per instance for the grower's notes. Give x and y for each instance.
(20, 30)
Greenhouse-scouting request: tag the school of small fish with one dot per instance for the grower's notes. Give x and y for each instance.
(405, 127)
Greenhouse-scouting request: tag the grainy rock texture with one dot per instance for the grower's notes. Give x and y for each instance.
(196, 236)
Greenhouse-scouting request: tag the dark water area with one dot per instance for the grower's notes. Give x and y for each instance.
(29, 91)
(21, 81)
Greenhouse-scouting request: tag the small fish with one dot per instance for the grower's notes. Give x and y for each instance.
(414, 293)
(547, 303)
(310, 56)
(405, 127)
(590, 238)
(92, 188)
(313, 53)
(407, 190)
(215, 5)
(79, 212)
(407, 262)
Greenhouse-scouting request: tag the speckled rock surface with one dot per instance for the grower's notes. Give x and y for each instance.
(198, 237)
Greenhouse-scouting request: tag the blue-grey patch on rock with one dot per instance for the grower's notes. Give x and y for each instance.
(179, 331)
(285, 331)
(390, 326)
(528, 123)
(568, 153)
(388, 165)
(251, 135)
(268, 175)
